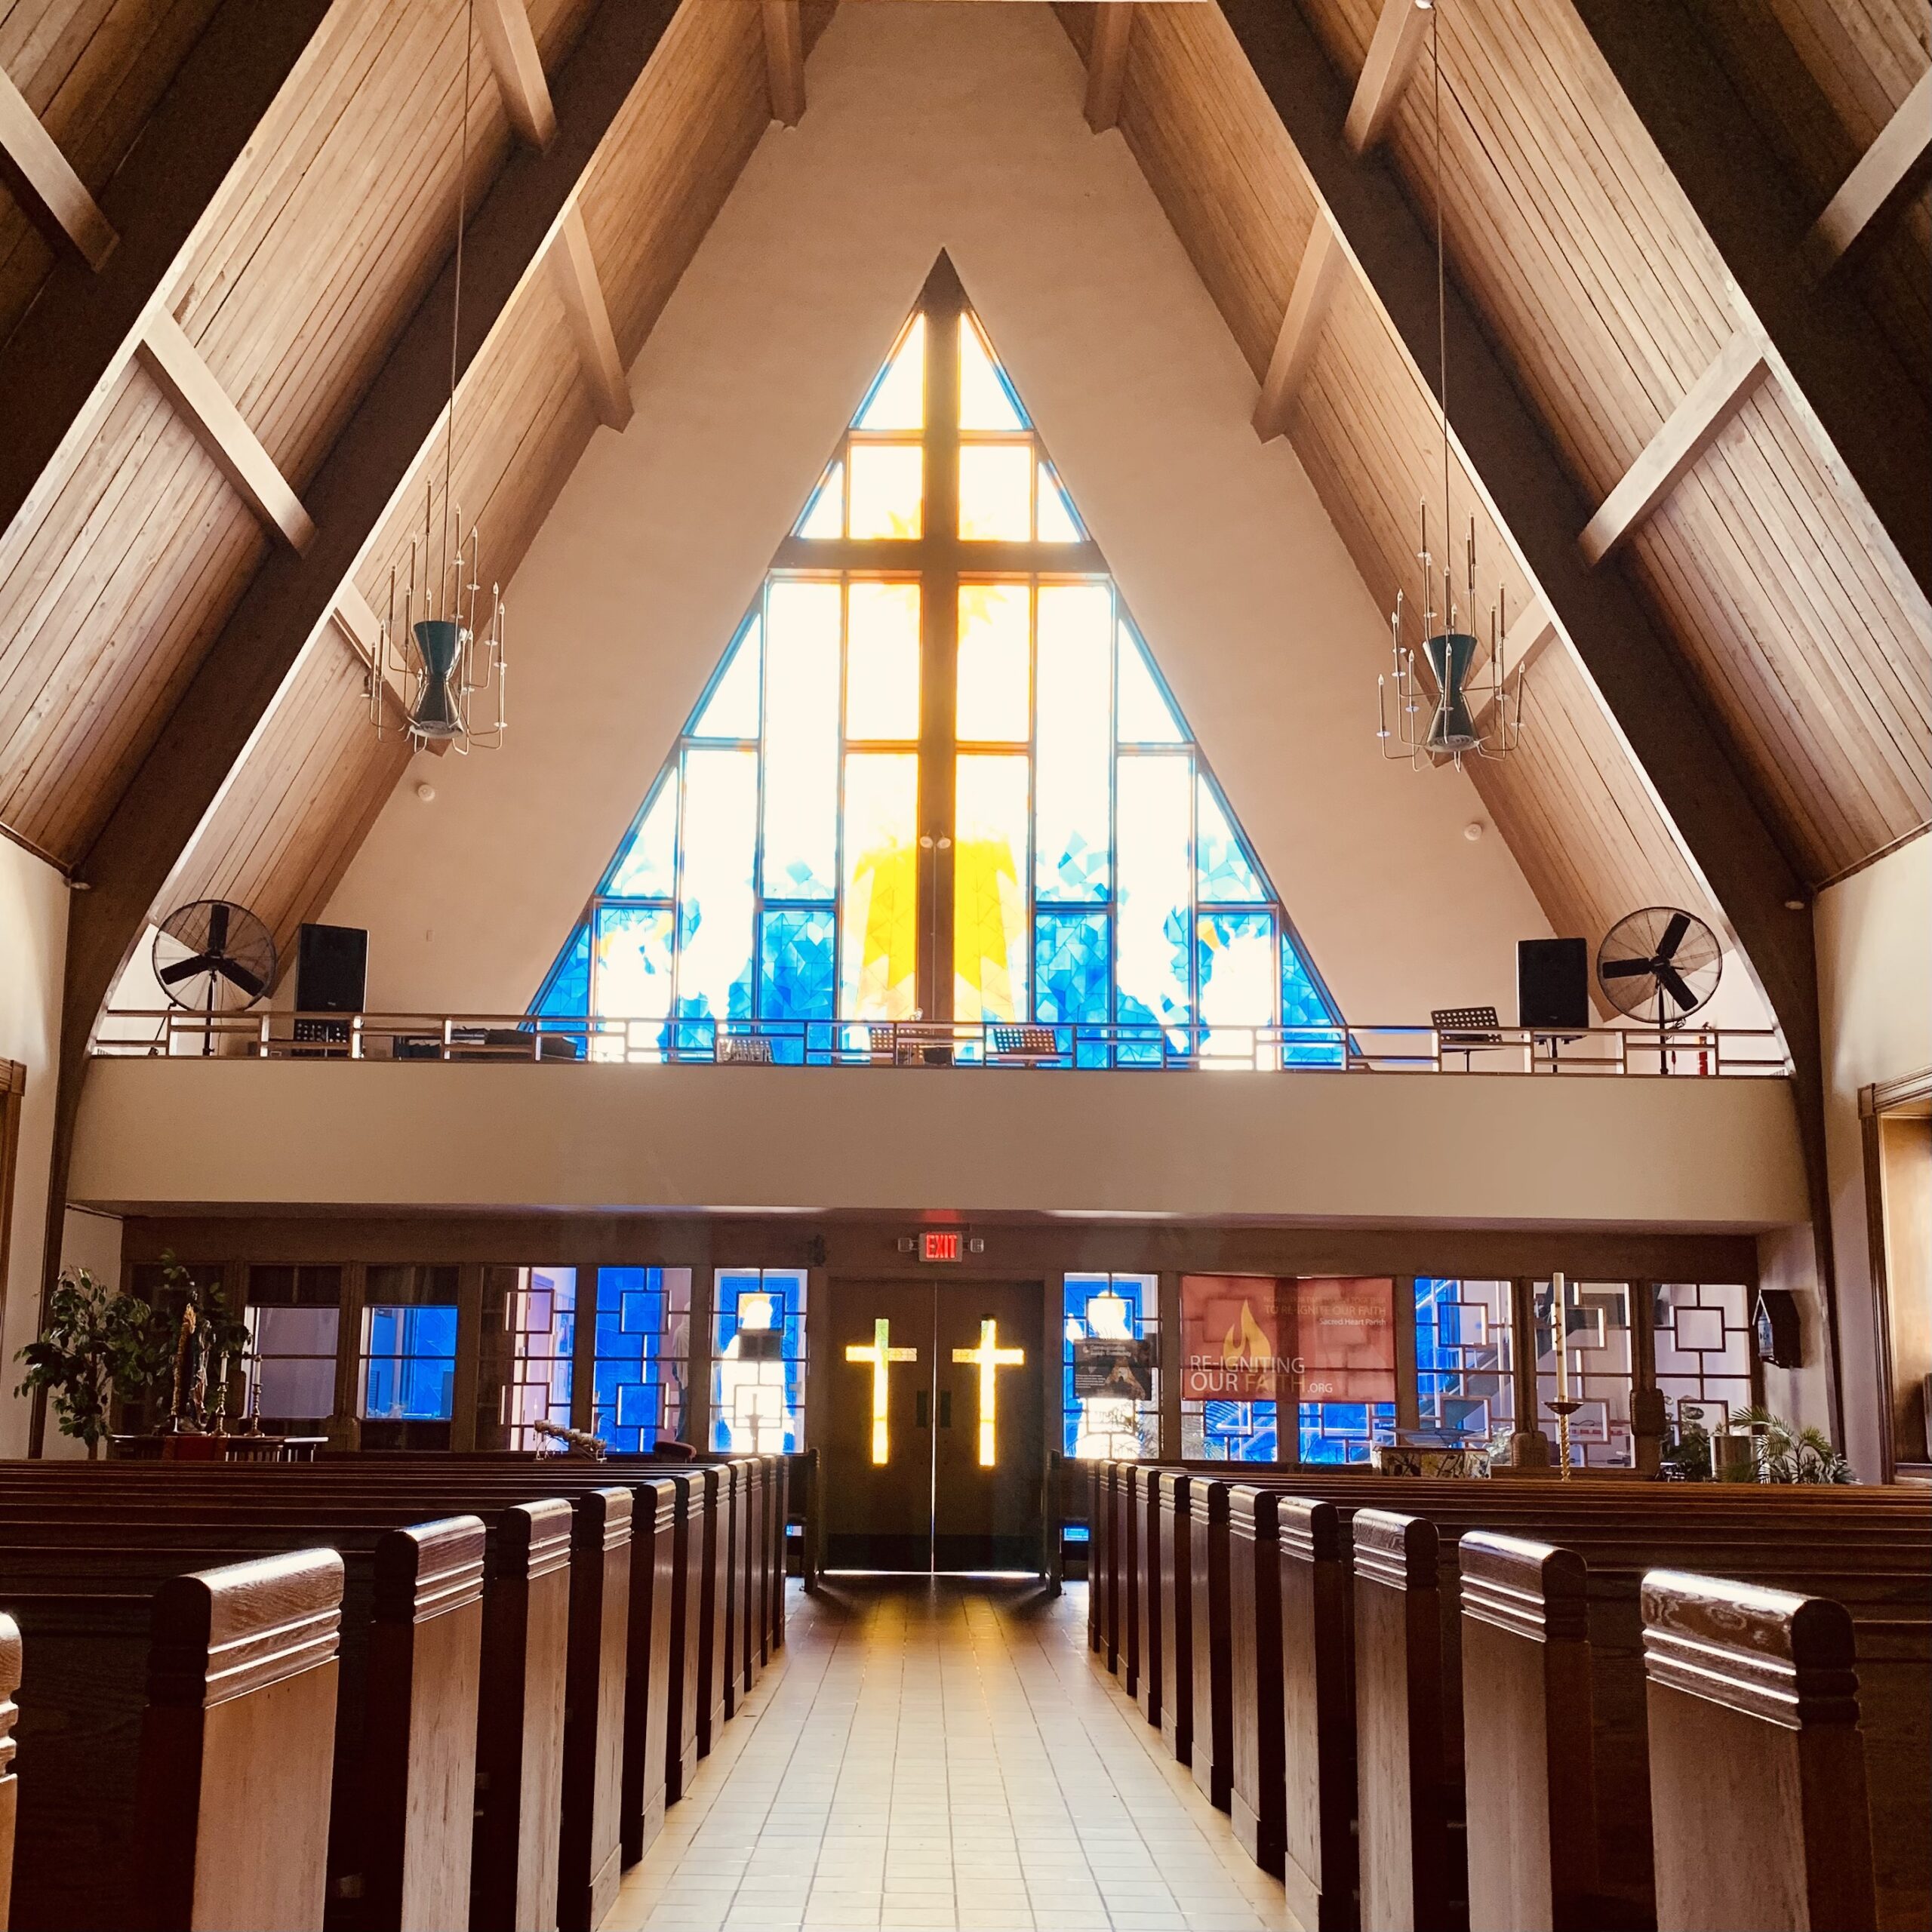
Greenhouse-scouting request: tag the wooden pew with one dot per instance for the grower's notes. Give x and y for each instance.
(590, 1846)
(1126, 1546)
(1757, 1772)
(1212, 1759)
(1257, 1784)
(646, 1721)
(9, 1682)
(683, 1682)
(1172, 1585)
(156, 1703)
(1145, 1582)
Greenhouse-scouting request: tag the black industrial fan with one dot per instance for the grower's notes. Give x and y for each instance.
(210, 957)
(1660, 965)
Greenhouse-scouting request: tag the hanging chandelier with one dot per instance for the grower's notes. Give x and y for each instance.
(1439, 713)
(440, 655)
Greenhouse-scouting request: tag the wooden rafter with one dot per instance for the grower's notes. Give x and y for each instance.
(1642, 682)
(1323, 264)
(1690, 429)
(1888, 175)
(1531, 632)
(512, 47)
(785, 60)
(189, 384)
(1107, 64)
(581, 290)
(371, 460)
(1393, 50)
(1828, 351)
(63, 364)
(55, 197)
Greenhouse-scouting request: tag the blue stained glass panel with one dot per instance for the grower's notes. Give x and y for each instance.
(757, 1390)
(566, 994)
(1226, 874)
(1072, 953)
(798, 978)
(1155, 859)
(1239, 1432)
(1303, 1006)
(715, 899)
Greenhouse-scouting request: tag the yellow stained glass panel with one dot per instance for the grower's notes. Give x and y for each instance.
(985, 400)
(989, 941)
(991, 703)
(898, 400)
(879, 939)
(995, 492)
(887, 485)
(882, 660)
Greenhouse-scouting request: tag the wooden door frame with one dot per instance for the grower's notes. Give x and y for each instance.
(1874, 1102)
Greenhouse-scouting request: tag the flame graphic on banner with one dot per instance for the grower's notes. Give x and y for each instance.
(1245, 1343)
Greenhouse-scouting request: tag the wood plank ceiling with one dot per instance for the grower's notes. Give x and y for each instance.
(1585, 261)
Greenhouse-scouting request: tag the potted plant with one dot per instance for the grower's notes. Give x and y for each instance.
(96, 1345)
(206, 1350)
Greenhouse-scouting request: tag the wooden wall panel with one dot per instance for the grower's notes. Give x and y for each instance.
(1822, 77)
(1605, 293)
(92, 70)
(106, 605)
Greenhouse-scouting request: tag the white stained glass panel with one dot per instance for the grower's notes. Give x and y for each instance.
(898, 398)
(715, 898)
(802, 739)
(888, 485)
(996, 492)
(1058, 523)
(824, 519)
(632, 962)
(1145, 716)
(1152, 851)
(882, 660)
(989, 933)
(731, 710)
(649, 867)
(986, 401)
(1226, 875)
(1235, 958)
(1073, 765)
(878, 918)
(994, 679)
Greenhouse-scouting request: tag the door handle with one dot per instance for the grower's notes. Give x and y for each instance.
(922, 1410)
(946, 1408)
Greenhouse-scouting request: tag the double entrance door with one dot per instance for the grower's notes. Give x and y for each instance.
(935, 1453)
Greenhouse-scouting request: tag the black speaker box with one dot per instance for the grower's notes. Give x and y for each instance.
(331, 969)
(1553, 985)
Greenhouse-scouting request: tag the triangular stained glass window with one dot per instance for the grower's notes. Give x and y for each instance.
(937, 778)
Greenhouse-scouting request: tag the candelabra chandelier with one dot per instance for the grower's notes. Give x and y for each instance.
(440, 657)
(1439, 713)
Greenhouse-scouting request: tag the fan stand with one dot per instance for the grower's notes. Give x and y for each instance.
(207, 1024)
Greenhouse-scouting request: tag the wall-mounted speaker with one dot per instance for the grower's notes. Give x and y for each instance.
(1553, 985)
(331, 969)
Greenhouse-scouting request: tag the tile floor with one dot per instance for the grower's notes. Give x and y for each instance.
(943, 1754)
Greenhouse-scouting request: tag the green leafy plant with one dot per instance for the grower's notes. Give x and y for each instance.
(1790, 1453)
(96, 1345)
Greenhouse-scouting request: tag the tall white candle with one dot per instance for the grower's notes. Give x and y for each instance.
(1559, 1315)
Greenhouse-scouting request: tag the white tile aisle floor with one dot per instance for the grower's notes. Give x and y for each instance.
(943, 1754)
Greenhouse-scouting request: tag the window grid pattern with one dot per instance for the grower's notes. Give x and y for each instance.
(1602, 1371)
(409, 1336)
(1465, 1366)
(1100, 1308)
(642, 1357)
(1338, 1433)
(537, 1310)
(786, 875)
(1229, 1431)
(294, 1320)
(1705, 1348)
(758, 1364)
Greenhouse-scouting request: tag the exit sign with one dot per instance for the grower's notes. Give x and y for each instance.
(941, 1244)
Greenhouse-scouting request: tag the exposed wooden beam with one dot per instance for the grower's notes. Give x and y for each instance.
(361, 630)
(61, 365)
(785, 60)
(1642, 680)
(1106, 63)
(372, 460)
(581, 289)
(1831, 358)
(1532, 631)
(1687, 433)
(1887, 175)
(55, 199)
(1393, 50)
(518, 67)
(1323, 261)
(176, 365)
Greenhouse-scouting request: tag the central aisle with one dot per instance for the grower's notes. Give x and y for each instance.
(943, 1754)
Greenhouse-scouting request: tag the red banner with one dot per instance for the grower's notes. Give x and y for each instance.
(1255, 1338)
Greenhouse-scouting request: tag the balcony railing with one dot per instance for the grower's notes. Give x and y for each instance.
(1686, 1051)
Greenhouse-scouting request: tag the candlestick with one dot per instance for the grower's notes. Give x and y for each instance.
(1563, 1408)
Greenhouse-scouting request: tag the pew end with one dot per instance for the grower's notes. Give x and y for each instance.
(9, 1682)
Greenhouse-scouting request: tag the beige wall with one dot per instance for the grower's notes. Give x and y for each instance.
(1874, 937)
(957, 128)
(1497, 1150)
(33, 942)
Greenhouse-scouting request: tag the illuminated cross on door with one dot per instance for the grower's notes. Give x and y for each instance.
(881, 1356)
(991, 1358)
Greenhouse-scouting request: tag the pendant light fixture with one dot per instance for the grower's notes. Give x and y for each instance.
(1485, 717)
(442, 642)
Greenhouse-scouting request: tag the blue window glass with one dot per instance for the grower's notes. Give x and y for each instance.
(1232, 1431)
(566, 993)
(409, 1364)
(1110, 1395)
(798, 967)
(758, 1361)
(642, 1356)
(1343, 1432)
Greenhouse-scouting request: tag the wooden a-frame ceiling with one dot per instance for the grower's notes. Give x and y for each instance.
(225, 252)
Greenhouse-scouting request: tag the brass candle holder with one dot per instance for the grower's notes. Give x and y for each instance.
(1563, 1410)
